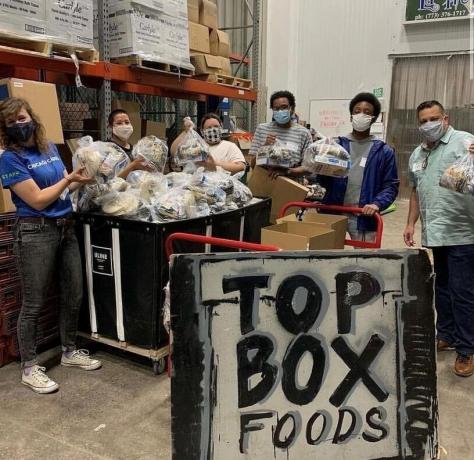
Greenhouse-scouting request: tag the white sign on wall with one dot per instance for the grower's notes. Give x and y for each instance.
(303, 356)
(330, 117)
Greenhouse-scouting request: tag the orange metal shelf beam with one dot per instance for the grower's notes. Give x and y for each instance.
(124, 78)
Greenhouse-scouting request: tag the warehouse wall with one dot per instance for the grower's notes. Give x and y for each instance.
(331, 50)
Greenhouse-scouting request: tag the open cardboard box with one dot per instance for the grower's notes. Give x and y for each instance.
(333, 222)
(6, 203)
(299, 236)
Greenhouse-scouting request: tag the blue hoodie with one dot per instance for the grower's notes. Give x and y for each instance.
(380, 182)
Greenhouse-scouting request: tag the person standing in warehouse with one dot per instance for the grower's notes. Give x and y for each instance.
(45, 241)
(447, 222)
(295, 137)
(372, 183)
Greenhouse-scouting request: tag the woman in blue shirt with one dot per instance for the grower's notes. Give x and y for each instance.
(45, 242)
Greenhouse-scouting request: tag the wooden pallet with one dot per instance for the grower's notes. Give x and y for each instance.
(227, 80)
(44, 48)
(138, 61)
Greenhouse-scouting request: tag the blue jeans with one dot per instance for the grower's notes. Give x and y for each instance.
(454, 296)
(357, 235)
(47, 253)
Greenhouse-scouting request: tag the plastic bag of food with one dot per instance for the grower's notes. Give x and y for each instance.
(148, 184)
(88, 157)
(192, 147)
(174, 205)
(178, 179)
(153, 150)
(276, 155)
(241, 194)
(459, 177)
(120, 203)
(115, 158)
(327, 158)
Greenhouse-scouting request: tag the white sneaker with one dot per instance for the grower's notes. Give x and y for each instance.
(81, 359)
(38, 381)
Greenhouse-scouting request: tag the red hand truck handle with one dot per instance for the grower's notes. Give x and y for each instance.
(215, 242)
(343, 209)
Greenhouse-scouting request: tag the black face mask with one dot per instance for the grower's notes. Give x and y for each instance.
(21, 132)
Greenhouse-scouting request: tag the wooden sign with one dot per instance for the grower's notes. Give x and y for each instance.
(303, 356)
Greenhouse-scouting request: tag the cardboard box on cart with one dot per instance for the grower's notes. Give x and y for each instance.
(332, 221)
(6, 203)
(299, 236)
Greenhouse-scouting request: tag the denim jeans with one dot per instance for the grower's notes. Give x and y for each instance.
(47, 254)
(454, 296)
(357, 235)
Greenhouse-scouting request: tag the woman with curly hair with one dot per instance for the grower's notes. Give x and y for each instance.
(45, 242)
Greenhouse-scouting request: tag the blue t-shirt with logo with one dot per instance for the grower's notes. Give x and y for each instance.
(46, 169)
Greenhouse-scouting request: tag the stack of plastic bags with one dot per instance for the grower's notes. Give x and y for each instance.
(327, 158)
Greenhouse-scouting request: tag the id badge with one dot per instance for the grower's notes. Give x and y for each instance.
(417, 167)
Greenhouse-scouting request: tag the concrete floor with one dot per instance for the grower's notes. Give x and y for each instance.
(123, 411)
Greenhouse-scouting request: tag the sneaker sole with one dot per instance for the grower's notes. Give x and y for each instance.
(40, 390)
(463, 375)
(92, 367)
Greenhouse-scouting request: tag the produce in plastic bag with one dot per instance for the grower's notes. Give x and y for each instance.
(153, 150)
(460, 176)
(327, 158)
(277, 154)
(192, 147)
(120, 203)
(148, 184)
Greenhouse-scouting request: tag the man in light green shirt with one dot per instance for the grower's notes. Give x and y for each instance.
(447, 220)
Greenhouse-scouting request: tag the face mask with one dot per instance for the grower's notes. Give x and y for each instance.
(21, 132)
(361, 122)
(282, 117)
(123, 131)
(432, 131)
(212, 135)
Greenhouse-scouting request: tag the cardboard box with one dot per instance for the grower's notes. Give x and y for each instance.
(133, 110)
(198, 38)
(154, 128)
(220, 43)
(175, 8)
(208, 14)
(299, 236)
(6, 203)
(206, 64)
(259, 183)
(330, 166)
(193, 10)
(334, 222)
(136, 30)
(284, 191)
(226, 68)
(43, 100)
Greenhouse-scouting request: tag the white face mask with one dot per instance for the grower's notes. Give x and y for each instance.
(123, 131)
(432, 131)
(361, 122)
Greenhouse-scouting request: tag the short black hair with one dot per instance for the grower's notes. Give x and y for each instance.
(429, 105)
(210, 116)
(366, 97)
(114, 113)
(279, 94)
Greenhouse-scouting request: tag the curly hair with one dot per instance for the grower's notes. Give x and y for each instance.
(281, 94)
(366, 97)
(10, 107)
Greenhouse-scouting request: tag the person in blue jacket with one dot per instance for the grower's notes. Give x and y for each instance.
(373, 181)
(45, 242)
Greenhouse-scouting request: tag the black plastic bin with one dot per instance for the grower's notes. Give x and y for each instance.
(125, 268)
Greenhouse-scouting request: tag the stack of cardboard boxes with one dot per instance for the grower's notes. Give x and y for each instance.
(54, 21)
(209, 46)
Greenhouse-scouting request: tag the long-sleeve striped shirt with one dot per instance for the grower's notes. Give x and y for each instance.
(296, 138)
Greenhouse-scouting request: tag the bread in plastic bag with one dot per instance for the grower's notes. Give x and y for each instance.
(148, 184)
(120, 203)
(153, 150)
(327, 158)
(192, 148)
(459, 177)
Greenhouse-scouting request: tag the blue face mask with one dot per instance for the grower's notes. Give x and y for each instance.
(282, 117)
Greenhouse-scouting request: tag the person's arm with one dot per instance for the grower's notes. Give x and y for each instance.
(231, 166)
(413, 216)
(390, 185)
(138, 164)
(40, 199)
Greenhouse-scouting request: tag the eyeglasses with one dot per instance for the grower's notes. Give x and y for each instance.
(424, 165)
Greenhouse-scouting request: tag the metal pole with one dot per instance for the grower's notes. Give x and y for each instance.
(105, 92)
(255, 59)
